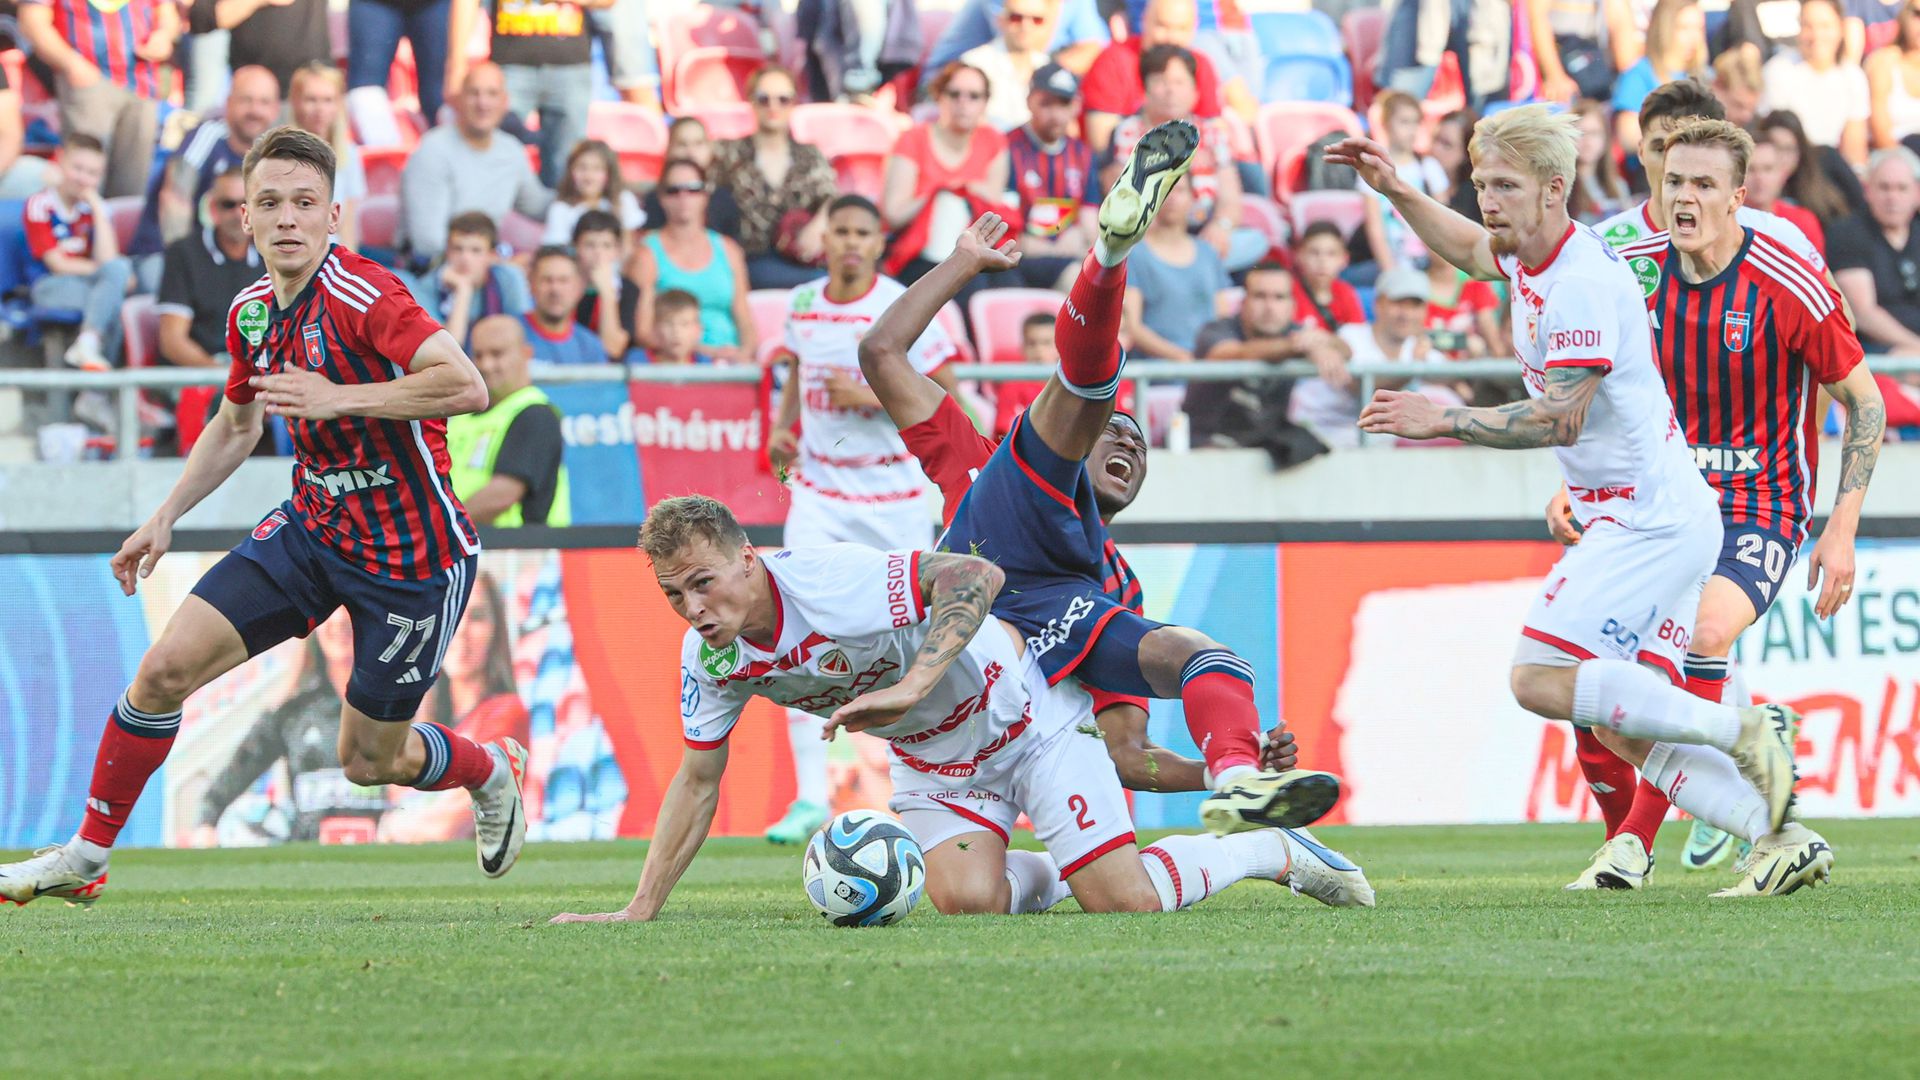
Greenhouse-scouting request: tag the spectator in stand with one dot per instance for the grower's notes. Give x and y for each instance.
(1390, 240)
(106, 61)
(854, 46)
(677, 330)
(632, 65)
(471, 281)
(1167, 72)
(280, 35)
(205, 270)
(20, 174)
(1599, 191)
(1011, 60)
(1254, 413)
(1738, 82)
(1830, 97)
(76, 263)
(1398, 335)
(1320, 299)
(507, 459)
(942, 176)
(1876, 256)
(545, 50)
(1569, 45)
(1766, 183)
(609, 308)
(375, 28)
(1676, 49)
(1449, 148)
(1172, 283)
(687, 138)
(782, 187)
(466, 165)
(1463, 314)
(1113, 87)
(1052, 174)
(1807, 183)
(318, 101)
(1419, 34)
(591, 181)
(1079, 33)
(553, 328)
(684, 254)
(1893, 74)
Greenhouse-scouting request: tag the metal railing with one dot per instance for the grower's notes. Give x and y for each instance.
(126, 383)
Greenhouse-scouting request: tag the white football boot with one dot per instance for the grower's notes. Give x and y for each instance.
(1764, 753)
(52, 872)
(1784, 861)
(1323, 873)
(1621, 863)
(1159, 160)
(499, 818)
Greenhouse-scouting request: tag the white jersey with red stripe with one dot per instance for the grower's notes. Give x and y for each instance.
(849, 620)
(1635, 225)
(851, 454)
(1582, 308)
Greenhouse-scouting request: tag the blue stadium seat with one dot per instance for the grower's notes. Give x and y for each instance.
(1308, 78)
(1297, 33)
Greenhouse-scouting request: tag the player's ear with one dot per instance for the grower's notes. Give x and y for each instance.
(333, 218)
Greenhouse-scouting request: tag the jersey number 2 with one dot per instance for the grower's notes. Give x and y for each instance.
(407, 628)
(1078, 804)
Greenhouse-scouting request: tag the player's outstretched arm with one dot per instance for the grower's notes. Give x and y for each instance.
(686, 816)
(441, 381)
(1859, 453)
(1554, 419)
(227, 441)
(908, 396)
(1446, 234)
(959, 591)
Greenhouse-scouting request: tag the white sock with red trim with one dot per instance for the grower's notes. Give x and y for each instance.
(1035, 882)
(1707, 784)
(809, 756)
(1187, 869)
(1639, 704)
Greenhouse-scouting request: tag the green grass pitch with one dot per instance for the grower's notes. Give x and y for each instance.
(398, 962)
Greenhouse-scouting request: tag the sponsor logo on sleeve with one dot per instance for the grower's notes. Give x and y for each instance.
(252, 321)
(1647, 272)
(719, 663)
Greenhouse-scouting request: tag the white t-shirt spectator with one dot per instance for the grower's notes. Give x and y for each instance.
(1332, 414)
(1825, 101)
(563, 216)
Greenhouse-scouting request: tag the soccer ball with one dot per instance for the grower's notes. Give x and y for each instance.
(864, 869)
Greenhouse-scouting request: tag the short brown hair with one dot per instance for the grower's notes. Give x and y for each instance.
(675, 301)
(937, 87)
(1737, 143)
(474, 223)
(80, 140)
(1389, 100)
(674, 524)
(289, 143)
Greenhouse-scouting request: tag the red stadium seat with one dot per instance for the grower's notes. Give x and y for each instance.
(955, 325)
(1286, 128)
(997, 318)
(384, 166)
(725, 120)
(1258, 212)
(140, 325)
(857, 139)
(1346, 209)
(379, 220)
(124, 212)
(521, 233)
(1240, 137)
(1363, 29)
(769, 308)
(705, 55)
(638, 135)
(190, 416)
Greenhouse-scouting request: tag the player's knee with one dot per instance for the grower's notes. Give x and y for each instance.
(1165, 650)
(1714, 634)
(1120, 898)
(967, 896)
(1543, 691)
(168, 673)
(367, 765)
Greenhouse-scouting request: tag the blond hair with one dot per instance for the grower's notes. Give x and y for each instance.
(1739, 68)
(1534, 138)
(1737, 143)
(1660, 30)
(674, 524)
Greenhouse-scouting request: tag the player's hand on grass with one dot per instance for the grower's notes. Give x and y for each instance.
(1560, 523)
(303, 395)
(1369, 159)
(1278, 751)
(1832, 556)
(136, 558)
(986, 246)
(877, 708)
(1403, 413)
(623, 915)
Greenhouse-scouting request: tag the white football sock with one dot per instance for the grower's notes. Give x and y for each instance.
(1738, 695)
(1035, 882)
(1707, 784)
(1633, 701)
(1187, 869)
(1229, 776)
(1105, 255)
(809, 756)
(502, 770)
(93, 854)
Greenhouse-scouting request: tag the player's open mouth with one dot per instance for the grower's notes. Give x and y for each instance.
(1684, 221)
(288, 245)
(1120, 468)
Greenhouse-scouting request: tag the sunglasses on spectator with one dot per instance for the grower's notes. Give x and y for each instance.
(684, 189)
(227, 204)
(773, 99)
(966, 95)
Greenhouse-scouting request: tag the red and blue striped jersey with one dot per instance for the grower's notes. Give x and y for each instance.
(107, 32)
(1742, 354)
(376, 491)
(1053, 187)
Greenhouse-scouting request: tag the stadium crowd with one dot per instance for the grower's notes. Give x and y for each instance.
(621, 180)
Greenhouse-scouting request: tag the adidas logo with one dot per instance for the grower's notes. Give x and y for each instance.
(412, 676)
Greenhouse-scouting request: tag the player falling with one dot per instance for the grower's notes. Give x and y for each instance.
(1035, 508)
(1743, 330)
(1620, 605)
(365, 379)
(901, 644)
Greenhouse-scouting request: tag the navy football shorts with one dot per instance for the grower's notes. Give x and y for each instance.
(1756, 559)
(281, 582)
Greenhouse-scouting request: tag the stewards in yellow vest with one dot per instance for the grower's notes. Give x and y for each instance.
(506, 460)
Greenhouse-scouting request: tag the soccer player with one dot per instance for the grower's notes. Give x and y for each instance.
(901, 644)
(852, 480)
(1035, 507)
(1743, 329)
(1619, 606)
(337, 346)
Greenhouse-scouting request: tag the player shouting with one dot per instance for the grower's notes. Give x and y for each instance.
(335, 344)
(901, 644)
(1743, 329)
(1035, 508)
(1626, 595)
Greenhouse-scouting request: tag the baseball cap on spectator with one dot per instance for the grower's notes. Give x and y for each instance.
(1056, 80)
(1404, 283)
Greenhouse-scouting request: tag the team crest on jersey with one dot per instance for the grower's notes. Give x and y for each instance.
(803, 300)
(269, 525)
(1647, 272)
(720, 663)
(316, 352)
(835, 663)
(252, 321)
(1736, 330)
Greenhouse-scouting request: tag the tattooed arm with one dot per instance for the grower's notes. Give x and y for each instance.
(1554, 419)
(1859, 451)
(959, 591)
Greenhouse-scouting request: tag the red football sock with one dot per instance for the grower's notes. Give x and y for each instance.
(1609, 778)
(1087, 330)
(1217, 689)
(453, 761)
(1649, 810)
(132, 748)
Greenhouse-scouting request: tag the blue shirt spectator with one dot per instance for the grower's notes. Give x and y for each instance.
(574, 345)
(553, 330)
(976, 24)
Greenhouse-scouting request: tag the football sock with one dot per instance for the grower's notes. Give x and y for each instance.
(809, 757)
(1087, 331)
(1707, 784)
(453, 761)
(1187, 869)
(1216, 688)
(1648, 810)
(1737, 694)
(1034, 881)
(1609, 777)
(1639, 704)
(132, 748)
(1707, 676)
